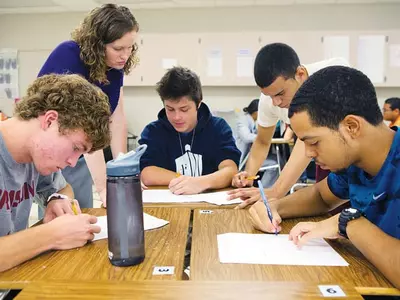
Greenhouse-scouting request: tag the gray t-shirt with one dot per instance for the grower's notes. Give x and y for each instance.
(18, 185)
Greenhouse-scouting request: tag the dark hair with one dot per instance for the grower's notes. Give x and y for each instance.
(275, 60)
(332, 93)
(104, 25)
(394, 103)
(253, 107)
(179, 82)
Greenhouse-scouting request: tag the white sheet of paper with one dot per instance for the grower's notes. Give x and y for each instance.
(337, 46)
(371, 57)
(168, 63)
(269, 249)
(165, 196)
(394, 55)
(214, 63)
(244, 63)
(150, 222)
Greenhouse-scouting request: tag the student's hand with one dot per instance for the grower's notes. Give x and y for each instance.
(259, 217)
(305, 231)
(73, 231)
(186, 185)
(249, 195)
(57, 208)
(143, 186)
(240, 181)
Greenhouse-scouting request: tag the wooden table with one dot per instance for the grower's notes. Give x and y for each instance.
(205, 265)
(163, 247)
(176, 290)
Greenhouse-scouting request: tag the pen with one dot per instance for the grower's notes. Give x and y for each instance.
(264, 198)
(252, 177)
(74, 208)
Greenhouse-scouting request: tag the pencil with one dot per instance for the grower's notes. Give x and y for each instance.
(177, 175)
(252, 177)
(73, 205)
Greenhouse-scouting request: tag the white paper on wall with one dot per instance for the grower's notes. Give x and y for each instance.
(371, 57)
(244, 63)
(214, 63)
(336, 46)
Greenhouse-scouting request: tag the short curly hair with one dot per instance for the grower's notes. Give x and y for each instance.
(80, 105)
(104, 25)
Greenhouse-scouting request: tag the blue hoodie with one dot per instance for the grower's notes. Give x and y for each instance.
(195, 153)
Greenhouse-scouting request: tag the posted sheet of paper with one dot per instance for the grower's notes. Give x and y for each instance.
(244, 63)
(270, 249)
(371, 57)
(214, 63)
(150, 222)
(165, 196)
(337, 46)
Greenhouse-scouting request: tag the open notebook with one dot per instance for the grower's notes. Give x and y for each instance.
(270, 249)
(150, 222)
(165, 196)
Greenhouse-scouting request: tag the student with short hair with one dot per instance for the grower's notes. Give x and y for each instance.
(279, 74)
(188, 149)
(391, 111)
(337, 116)
(60, 118)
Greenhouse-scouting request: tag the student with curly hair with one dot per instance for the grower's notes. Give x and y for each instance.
(60, 118)
(102, 49)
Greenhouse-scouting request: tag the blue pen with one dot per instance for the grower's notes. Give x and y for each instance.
(261, 188)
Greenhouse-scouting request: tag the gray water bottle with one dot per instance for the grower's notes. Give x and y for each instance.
(125, 209)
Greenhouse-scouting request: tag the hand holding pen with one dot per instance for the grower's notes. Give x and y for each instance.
(266, 204)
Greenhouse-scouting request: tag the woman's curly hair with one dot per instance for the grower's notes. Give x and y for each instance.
(104, 25)
(80, 106)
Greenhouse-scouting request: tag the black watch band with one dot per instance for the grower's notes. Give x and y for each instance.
(345, 217)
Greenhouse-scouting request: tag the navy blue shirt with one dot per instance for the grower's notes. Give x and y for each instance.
(65, 59)
(196, 153)
(378, 197)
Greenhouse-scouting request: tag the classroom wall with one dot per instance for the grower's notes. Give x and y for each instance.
(38, 32)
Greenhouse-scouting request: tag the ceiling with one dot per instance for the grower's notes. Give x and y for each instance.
(49, 6)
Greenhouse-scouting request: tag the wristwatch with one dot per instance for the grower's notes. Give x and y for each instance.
(56, 196)
(347, 215)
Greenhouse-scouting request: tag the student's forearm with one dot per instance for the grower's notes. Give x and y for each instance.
(259, 149)
(97, 168)
(119, 133)
(220, 179)
(119, 128)
(156, 176)
(21, 246)
(310, 201)
(297, 163)
(258, 154)
(382, 250)
(68, 191)
(303, 203)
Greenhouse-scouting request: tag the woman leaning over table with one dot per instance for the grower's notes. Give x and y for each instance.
(102, 49)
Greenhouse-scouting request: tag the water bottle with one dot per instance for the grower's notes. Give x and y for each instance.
(125, 209)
